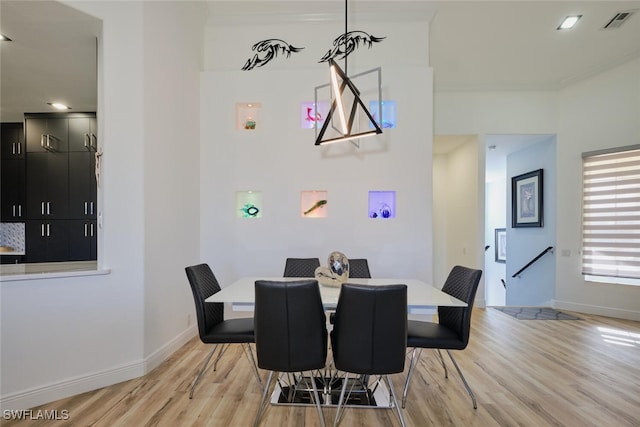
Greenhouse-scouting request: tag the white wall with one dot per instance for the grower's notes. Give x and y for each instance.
(601, 112)
(280, 159)
(496, 217)
(457, 203)
(65, 336)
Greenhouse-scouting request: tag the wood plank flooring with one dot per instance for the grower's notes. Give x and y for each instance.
(524, 373)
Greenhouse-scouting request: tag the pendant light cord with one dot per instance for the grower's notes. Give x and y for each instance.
(345, 37)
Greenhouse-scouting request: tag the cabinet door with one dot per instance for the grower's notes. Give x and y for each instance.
(44, 135)
(82, 134)
(82, 240)
(47, 185)
(47, 241)
(12, 141)
(82, 185)
(12, 191)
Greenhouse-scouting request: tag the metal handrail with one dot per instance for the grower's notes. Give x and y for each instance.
(549, 249)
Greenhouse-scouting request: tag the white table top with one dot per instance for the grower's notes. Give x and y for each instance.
(419, 293)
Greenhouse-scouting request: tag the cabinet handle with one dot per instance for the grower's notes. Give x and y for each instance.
(42, 137)
(91, 210)
(91, 227)
(19, 144)
(85, 229)
(48, 141)
(42, 229)
(85, 208)
(48, 230)
(20, 211)
(48, 208)
(87, 140)
(93, 138)
(13, 148)
(42, 208)
(14, 210)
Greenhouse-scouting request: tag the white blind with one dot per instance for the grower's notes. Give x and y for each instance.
(611, 214)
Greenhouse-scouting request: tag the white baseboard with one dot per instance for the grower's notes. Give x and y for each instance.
(597, 310)
(51, 392)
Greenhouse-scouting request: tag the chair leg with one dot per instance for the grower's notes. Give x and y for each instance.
(254, 366)
(263, 403)
(340, 409)
(392, 389)
(412, 366)
(223, 348)
(446, 374)
(316, 397)
(464, 381)
(204, 367)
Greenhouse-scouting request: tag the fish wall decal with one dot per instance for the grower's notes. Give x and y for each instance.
(348, 42)
(268, 49)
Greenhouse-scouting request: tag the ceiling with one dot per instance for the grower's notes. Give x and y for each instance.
(474, 45)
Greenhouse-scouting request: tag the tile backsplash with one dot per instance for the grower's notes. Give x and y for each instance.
(12, 235)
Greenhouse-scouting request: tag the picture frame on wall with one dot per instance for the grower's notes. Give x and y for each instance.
(501, 244)
(526, 200)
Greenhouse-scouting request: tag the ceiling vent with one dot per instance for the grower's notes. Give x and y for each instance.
(617, 20)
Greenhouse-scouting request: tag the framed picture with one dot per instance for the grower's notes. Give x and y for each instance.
(501, 245)
(526, 200)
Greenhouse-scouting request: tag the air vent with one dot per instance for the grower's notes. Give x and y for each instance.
(617, 20)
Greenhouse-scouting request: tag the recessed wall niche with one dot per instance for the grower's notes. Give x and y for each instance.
(313, 204)
(382, 204)
(310, 114)
(388, 113)
(249, 204)
(248, 115)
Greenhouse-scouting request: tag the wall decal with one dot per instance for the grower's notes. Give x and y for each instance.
(353, 40)
(266, 50)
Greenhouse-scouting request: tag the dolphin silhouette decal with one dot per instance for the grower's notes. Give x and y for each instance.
(266, 50)
(348, 42)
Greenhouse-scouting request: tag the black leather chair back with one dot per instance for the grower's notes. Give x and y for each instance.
(290, 326)
(462, 283)
(370, 329)
(359, 268)
(301, 267)
(204, 284)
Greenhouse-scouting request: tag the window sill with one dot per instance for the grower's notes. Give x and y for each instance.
(53, 270)
(612, 280)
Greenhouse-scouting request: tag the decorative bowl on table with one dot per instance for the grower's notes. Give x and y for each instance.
(337, 271)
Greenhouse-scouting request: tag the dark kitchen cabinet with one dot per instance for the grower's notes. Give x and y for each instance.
(12, 173)
(12, 145)
(47, 241)
(47, 185)
(83, 242)
(83, 134)
(46, 132)
(82, 185)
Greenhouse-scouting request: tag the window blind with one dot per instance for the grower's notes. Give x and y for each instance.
(611, 213)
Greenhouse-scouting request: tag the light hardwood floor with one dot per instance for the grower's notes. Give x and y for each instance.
(524, 373)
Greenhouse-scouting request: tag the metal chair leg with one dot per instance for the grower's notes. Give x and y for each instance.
(392, 389)
(446, 374)
(316, 397)
(464, 381)
(223, 348)
(254, 366)
(263, 402)
(340, 409)
(412, 366)
(204, 367)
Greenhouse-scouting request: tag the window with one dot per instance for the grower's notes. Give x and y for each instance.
(611, 214)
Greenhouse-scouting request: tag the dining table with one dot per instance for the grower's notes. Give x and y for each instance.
(422, 298)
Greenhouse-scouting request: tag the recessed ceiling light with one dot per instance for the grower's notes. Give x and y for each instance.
(58, 106)
(569, 22)
(4, 38)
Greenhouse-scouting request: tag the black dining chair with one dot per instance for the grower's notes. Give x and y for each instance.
(369, 336)
(291, 336)
(359, 269)
(453, 328)
(301, 267)
(212, 327)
